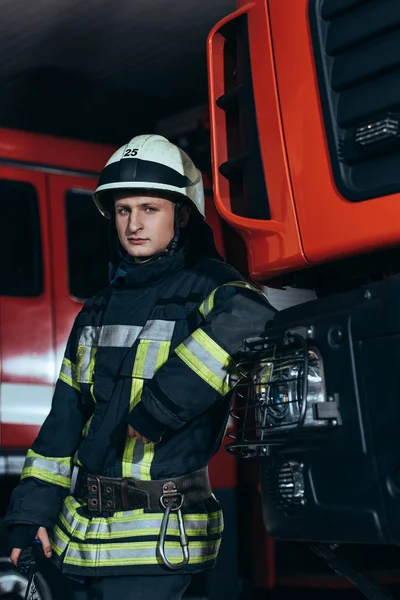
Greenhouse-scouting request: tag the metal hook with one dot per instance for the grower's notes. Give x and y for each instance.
(182, 534)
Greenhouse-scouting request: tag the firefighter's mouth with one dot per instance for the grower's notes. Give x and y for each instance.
(137, 241)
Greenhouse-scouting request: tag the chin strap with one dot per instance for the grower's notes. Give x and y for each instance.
(172, 246)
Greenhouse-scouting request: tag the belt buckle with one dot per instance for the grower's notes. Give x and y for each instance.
(95, 504)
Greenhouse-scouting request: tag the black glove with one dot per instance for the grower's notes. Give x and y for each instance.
(30, 559)
(29, 564)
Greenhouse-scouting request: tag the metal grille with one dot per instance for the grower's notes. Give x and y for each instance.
(275, 402)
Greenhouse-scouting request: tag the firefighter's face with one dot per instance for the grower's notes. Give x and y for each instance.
(145, 223)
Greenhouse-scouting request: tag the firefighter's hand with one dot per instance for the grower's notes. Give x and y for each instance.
(133, 433)
(44, 539)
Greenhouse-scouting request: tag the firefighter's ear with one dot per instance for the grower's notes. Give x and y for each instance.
(184, 216)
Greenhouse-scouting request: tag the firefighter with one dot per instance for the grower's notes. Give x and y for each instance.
(143, 396)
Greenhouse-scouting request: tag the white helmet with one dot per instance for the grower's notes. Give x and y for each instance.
(150, 162)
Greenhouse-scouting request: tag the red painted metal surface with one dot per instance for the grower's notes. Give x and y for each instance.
(26, 328)
(311, 222)
(273, 246)
(49, 151)
(65, 308)
(17, 436)
(331, 226)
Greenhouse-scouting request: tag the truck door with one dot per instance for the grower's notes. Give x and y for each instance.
(26, 343)
(79, 241)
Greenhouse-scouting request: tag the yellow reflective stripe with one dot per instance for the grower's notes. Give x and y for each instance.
(87, 426)
(245, 284)
(71, 505)
(68, 374)
(208, 305)
(136, 392)
(82, 364)
(58, 540)
(91, 364)
(76, 460)
(215, 523)
(85, 362)
(208, 360)
(50, 469)
(136, 525)
(136, 561)
(48, 477)
(214, 349)
(91, 390)
(137, 553)
(163, 354)
(215, 530)
(148, 450)
(202, 370)
(88, 423)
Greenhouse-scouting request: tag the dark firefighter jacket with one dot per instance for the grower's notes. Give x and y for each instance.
(154, 350)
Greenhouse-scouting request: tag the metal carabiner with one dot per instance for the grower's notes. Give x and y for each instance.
(184, 541)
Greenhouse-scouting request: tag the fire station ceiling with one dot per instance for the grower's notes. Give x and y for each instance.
(102, 69)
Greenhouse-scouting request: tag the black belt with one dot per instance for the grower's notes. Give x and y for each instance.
(107, 494)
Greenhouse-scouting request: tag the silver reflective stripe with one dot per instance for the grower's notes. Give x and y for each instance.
(119, 336)
(151, 359)
(136, 551)
(115, 336)
(159, 330)
(45, 464)
(133, 524)
(215, 523)
(89, 336)
(137, 460)
(219, 370)
(124, 336)
(59, 541)
(135, 527)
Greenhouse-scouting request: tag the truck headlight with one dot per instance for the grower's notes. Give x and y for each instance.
(278, 391)
(283, 394)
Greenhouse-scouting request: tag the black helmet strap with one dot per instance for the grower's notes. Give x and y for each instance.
(175, 240)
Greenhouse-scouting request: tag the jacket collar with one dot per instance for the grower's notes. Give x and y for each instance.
(196, 241)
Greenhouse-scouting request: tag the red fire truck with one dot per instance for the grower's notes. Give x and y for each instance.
(305, 128)
(54, 254)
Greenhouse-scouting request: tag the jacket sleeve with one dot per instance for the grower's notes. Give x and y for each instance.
(46, 476)
(199, 371)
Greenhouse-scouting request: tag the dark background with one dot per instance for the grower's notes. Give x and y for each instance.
(102, 70)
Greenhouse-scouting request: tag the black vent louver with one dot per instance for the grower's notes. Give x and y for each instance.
(357, 55)
(278, 484)
(244, 168)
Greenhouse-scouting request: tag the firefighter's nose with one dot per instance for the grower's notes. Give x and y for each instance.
(134, 223)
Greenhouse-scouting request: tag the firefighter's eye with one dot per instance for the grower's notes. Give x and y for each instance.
(122, 210)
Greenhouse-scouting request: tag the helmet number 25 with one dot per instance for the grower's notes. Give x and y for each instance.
(131, 152)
